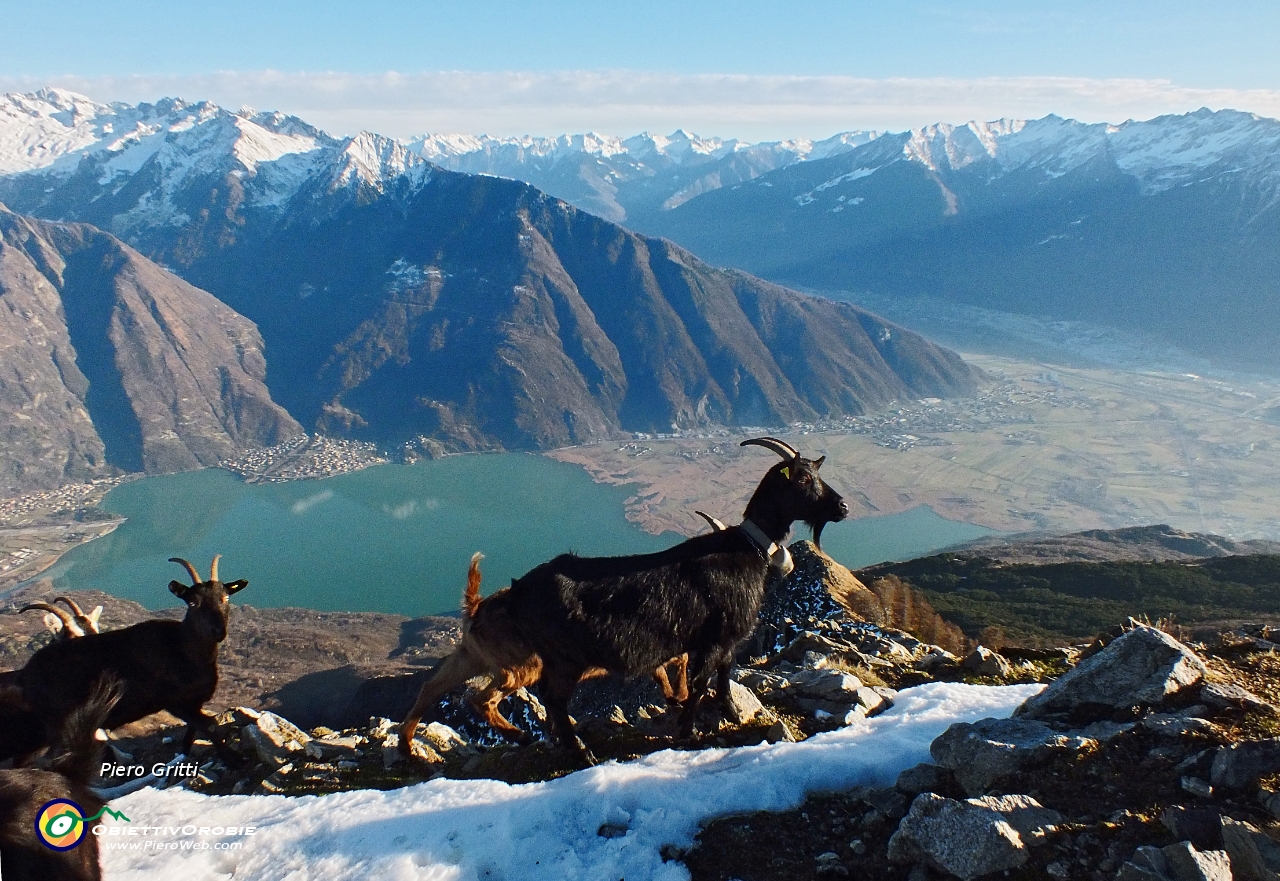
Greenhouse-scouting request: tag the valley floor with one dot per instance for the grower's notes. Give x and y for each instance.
(1045, 448)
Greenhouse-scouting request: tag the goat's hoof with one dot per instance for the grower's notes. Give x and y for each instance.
(584, 755)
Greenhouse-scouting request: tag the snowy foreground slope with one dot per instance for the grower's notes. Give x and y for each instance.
(484, 829)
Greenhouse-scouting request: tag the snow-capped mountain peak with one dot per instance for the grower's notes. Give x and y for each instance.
(1161, 153)
(54, 139)
(373, 160)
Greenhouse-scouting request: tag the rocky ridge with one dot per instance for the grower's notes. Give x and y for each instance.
(114, 364)
(1159, 542)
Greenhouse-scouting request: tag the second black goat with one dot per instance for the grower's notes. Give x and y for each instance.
(163, 665)
(630, 614)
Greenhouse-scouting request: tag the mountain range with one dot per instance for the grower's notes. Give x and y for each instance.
(626, 180)
(404, 303)
(1167, 228)
(111, 362)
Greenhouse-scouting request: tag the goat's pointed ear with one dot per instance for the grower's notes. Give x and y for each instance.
(93, 616)
(817, 463)
(236, 585)
(52, 622)
(178, 589)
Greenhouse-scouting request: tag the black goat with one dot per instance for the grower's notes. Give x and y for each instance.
(24, 792)
(629, 615)
(165, 665)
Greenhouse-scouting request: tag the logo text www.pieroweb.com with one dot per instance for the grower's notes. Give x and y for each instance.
(61, 824)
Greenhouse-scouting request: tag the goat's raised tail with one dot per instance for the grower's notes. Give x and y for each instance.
(471, 596)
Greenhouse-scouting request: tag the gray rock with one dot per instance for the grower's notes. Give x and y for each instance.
(275, 738)
(1270, 801)
(742, 706)
(335, 746)
(1142, 667)
(1197, 764)
(1147, 857)
(889, 802)
(1224, 697)
(779, 733)
(1254, 856)
(762, 682)
(831, 685)
(1188, 864)
(982, 752)
(1196, 786)
(1202, 826)
(985, 662)
(1133, 872)
(1176, 724)
(811, 642)
(1239, 765)
(970, 838)
(936, 657)
(925, 777)
(874, 702)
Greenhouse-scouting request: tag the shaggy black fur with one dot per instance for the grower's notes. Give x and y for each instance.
(165, 665)
(628, 615)
(23, 792)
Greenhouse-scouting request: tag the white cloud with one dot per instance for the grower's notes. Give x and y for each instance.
(401, 512)
(302, 506)
(625, 102)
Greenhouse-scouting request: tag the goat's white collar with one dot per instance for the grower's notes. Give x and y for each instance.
(778, 556)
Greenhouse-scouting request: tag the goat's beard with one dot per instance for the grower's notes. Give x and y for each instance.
(816, 526)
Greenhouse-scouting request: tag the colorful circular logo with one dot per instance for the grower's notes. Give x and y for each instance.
(60, 824)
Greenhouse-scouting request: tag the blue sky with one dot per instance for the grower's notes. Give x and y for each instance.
(751, 66)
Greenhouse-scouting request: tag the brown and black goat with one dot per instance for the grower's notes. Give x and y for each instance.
(164, 665)
(629, 615)
(527, 670)
(64, 624)
(26, 791)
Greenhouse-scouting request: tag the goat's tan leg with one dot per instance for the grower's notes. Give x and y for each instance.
(674, 695)
(702, 668)
(504, 684)
(452, 672)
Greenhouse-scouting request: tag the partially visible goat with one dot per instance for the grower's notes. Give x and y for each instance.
(629, 615)
(506, 681)
(165, 665)
(63, 624)
(24, 793)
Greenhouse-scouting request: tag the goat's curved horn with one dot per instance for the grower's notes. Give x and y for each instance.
(783, 449)
(63, 614)
(716, 525)
(191, 570)
(213, 567)
(71, 604)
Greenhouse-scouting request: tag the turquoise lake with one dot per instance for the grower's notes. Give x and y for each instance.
(397, 538)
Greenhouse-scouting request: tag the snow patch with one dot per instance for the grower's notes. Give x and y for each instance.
(473, 829)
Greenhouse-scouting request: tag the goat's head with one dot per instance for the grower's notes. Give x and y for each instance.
(64, 624)
(792, 490)
(208, 602)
